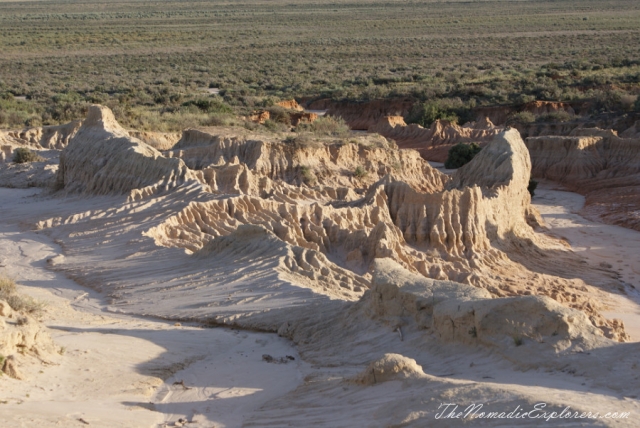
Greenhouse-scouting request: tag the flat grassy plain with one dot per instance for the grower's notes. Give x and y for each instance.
(148, 59)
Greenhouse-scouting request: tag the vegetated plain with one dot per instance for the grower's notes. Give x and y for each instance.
(151, 62)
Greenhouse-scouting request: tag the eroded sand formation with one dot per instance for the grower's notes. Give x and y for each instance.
(332, 244)
(473, 227)
(22, 337)
(597, 163)
(434, 143)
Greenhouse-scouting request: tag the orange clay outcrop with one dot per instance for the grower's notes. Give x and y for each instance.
(434, 143)
(303, 117)
(598, 164)
(290, 105)
(260, 117)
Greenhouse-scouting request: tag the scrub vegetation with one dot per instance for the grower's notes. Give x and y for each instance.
(168, 65)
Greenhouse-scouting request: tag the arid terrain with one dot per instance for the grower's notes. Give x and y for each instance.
(358, 213)
(231, 278)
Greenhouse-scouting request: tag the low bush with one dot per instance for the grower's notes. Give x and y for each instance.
(8, 293)
(280, 115)
(308, 177)
(521, 117)
(556, 116)
(24, 155)
(427, 113)
(326, 126)
(360, 172)
(461, 154)
(209, 105)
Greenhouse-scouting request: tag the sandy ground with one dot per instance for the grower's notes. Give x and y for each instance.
(121, 371)
(605, 246)
(125, 371)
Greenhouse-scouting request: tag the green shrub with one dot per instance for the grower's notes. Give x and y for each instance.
(326, 125)
(274, 126)
(431, 111)
(636, 105)
(461, 154)
(280, 115)
(556, 116)
(308, 177)
(521, 117)
(209, 105)
(24, 155)
(360, 172)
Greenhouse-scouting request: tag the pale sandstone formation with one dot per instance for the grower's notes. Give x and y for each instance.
(389, 367)
(31, 174)
(632, 132)
(243, 193)
(434, 143)
(103, 159)
(158, 140)
(460, 313)
(453, 229)
(424, 318)
(333, 164)
(598, 164)
(22, 337)
(378, 278)
(5, 153)
(45, 137)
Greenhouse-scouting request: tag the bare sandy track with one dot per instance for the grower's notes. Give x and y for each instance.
(605, 246)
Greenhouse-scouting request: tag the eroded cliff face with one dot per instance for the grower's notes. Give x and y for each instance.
(470, 227)
(435, 142)
(598, 164)
(364, 115)
(500, 114)
(315, 214)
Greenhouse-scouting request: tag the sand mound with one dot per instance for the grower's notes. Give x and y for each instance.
(103, 159)
(389, 367)
(460, 313)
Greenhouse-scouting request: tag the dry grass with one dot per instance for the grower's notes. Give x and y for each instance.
(18, 302)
